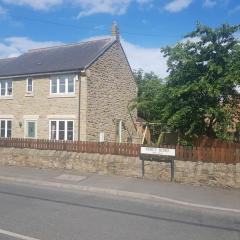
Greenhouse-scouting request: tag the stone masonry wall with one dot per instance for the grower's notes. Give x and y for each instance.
(199, 173)
(40, 104)
(111, 86)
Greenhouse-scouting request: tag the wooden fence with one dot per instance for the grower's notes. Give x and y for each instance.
(229, 155)
(124, 149)
(216, 154)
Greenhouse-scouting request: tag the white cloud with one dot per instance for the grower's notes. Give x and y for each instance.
(237, 35)
(87, 7)
(149, 59)
(14, 46)
(190, 39)
(8, 51)
(209, 3)
(115, 7)
(36, 4)
(144, 1)
(177, 5)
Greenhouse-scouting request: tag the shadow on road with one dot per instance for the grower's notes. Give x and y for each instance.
(111, 210)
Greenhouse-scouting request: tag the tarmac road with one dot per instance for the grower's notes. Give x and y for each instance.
(44, 213)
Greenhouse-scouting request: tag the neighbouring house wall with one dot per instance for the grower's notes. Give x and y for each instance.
(40, 104)
(199, 173)
(110, 86)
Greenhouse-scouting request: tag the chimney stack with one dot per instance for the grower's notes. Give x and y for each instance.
(115, 31)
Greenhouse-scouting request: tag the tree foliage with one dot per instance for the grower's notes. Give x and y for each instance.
(199, 97)
(149, 90)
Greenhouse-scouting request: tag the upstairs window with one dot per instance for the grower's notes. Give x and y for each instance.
(29, 85)
(63, 84)
(5, 87)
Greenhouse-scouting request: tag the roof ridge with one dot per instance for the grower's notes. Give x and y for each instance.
(67, 45)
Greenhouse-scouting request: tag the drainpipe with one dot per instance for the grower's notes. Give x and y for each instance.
(79, 89)
(82, 73)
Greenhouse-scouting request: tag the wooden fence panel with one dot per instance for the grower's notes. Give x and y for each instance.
(216, 152)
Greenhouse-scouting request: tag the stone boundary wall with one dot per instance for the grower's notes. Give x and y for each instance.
(199, 173)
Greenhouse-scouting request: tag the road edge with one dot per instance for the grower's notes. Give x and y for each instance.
(115, 192)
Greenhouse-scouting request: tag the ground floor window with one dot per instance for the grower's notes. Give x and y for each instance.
(61, 129)
(6, 128)
(30, 129)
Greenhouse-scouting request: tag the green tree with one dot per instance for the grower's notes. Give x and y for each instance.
(200, 96)
(150, 87)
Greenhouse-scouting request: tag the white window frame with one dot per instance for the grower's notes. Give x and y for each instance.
(6, 127)
(28, 85)
(57, 77)
(6, 87)
(57, 128)
(26, 121)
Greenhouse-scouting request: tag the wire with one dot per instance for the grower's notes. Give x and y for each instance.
(52, 22)
(103, 28)
(149, 34)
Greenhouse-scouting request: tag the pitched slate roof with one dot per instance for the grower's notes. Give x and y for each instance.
(55, 59)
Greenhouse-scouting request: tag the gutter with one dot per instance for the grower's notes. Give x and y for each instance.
(41, 74)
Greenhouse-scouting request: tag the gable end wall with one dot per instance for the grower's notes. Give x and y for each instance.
(111, 86)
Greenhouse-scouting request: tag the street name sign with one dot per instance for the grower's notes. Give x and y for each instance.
(158, 151)
(158, 155)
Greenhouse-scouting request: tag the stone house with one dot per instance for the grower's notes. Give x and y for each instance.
(69, 92)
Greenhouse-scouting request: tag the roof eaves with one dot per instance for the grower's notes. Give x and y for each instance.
(41, 73)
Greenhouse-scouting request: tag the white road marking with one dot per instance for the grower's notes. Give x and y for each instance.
(15, 235)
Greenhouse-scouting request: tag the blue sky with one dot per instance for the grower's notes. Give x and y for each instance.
(145, 25)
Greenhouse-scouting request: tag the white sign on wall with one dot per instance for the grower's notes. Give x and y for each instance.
(101, 137)
(158, 151)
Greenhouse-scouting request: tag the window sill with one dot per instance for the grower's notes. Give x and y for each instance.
(6, 97)
(62, 95)
(29, 95)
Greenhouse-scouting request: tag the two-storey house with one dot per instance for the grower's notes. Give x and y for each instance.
(70, 92)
